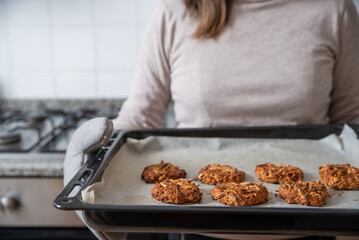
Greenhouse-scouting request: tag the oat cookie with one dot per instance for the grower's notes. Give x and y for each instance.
(240, 194)
(271, 173)
(162, 171)
(340, 176)
(216, 173)
(304, 193)
(177, 191)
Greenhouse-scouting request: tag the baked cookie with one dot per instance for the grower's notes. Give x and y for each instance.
(304, 193)
(216, 173)
(177, 191)
(240, 194)
(340, 176)
(162, 171)
(271, 173)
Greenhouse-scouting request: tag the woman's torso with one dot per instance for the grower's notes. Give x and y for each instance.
(272, 64)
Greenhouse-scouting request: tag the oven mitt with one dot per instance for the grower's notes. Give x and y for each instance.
(89, 137)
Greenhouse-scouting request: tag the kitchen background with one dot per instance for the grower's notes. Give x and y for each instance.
(65, 49)
(52, 49)
(70, 48)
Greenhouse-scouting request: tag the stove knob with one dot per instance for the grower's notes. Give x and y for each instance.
(9, 203)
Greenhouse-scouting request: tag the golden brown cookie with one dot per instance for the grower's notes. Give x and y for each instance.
(304, 193)
(271, 173)
(340, 176)
(177, 191)
(240, 194)
(216, 173)
(162, 171)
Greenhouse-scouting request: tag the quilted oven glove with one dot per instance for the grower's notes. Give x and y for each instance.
(89, 137)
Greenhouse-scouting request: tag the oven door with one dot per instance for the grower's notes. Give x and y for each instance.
(27, 202)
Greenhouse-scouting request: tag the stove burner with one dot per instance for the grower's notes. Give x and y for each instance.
(9, 137)
(43, 130)
(35, 117)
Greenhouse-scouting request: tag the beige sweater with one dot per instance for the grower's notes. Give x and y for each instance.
(277, 62)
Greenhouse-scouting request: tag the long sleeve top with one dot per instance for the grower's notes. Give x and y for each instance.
(277, 62)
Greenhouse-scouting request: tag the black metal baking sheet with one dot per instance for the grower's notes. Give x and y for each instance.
(221, 219)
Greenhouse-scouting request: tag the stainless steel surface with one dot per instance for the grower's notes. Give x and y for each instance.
(27, 202)
(30, 130)
(6, 138)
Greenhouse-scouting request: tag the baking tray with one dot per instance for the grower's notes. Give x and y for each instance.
(187, 218)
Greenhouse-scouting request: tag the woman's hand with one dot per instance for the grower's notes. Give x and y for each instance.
(89, 137)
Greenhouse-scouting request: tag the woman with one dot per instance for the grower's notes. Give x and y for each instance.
(238, 62)
(247, 62)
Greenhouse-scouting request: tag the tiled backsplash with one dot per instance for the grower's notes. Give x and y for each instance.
(70, 48)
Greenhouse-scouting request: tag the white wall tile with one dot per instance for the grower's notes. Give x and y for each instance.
(115, 11)
(4, 47)
(74, 48)
(3, 15)
(5, 86)
(72, 84)
(140, 33)
(70, 48)
(115, 84)
(27, 12)
(4, 73)
(117, 47)
(32, 84)
(70, 12)
(145, 9)
(29, 48)
(4, 53)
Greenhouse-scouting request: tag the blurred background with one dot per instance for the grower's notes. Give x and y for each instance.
(70, 48)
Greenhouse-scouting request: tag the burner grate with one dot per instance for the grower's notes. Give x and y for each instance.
(47, 131)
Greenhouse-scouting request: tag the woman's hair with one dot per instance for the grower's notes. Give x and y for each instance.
(213, 16)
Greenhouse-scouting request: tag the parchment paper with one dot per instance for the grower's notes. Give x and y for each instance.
(122, 184)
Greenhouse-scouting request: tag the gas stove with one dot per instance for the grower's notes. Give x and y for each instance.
(47, 131)
(32, 150)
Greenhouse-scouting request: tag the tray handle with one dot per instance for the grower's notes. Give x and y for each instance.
(70, 198)
(69, 193)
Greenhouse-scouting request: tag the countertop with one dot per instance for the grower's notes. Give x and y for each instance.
(31, 165)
